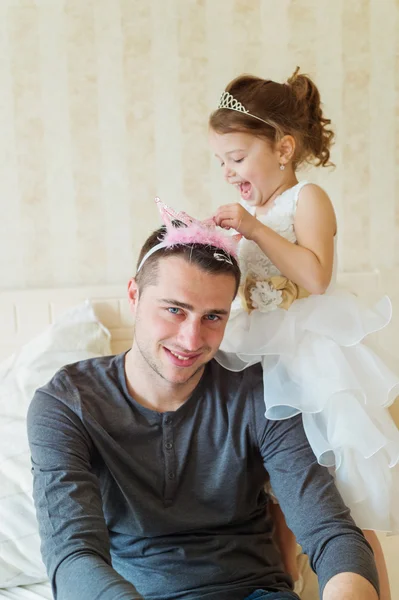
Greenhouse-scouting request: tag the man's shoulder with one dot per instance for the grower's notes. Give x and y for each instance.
(83, 376)
(238, 383)
(236, 400)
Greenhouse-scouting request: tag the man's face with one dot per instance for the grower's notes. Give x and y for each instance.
(180, 321)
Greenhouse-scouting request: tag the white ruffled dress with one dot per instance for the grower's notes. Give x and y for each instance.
(315, 363)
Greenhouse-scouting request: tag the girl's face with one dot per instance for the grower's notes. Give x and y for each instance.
(249, 163)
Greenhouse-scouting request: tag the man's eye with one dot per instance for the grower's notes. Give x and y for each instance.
(212, 318)
(173, 310)
(239, 160)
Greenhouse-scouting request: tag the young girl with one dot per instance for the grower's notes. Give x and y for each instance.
(288, 316)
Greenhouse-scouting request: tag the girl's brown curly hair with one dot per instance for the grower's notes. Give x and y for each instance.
(291, 108)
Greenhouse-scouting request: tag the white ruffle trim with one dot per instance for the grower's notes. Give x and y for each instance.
(315, 362)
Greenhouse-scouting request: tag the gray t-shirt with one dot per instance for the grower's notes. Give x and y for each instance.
(172, 504)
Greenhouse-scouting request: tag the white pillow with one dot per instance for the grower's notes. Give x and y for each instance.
(76, 335)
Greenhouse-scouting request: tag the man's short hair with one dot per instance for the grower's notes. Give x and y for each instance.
(200, 255)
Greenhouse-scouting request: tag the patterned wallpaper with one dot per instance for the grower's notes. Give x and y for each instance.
(104, 104)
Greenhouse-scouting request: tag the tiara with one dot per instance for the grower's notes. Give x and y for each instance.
(183, 230)
(228, 101)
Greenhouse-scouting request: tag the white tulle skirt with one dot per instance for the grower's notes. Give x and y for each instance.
(315, 363)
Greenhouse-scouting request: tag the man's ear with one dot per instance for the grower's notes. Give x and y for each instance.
(133, 294)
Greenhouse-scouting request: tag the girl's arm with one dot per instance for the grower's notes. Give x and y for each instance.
(349, 586)
(308, 263)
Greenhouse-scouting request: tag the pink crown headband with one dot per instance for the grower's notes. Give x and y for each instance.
(193, 232)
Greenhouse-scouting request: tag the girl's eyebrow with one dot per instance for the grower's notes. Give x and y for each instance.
(232, 151)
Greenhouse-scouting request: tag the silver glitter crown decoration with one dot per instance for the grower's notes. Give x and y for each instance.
(228, 101)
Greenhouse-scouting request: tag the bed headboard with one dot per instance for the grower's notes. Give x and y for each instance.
(25, 313)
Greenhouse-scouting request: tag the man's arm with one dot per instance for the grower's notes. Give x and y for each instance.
(316, 513)
(75, 543)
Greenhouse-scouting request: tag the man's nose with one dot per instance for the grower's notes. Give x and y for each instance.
(190, 335)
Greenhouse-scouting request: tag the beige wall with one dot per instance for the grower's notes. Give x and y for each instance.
(104, 104)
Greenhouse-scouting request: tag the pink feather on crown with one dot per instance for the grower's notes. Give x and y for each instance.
(195, 232)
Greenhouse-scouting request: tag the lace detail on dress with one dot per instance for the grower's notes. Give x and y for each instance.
(280, 218)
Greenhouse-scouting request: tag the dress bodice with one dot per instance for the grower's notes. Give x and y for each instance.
(280, 217)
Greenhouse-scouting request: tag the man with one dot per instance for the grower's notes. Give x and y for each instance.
(149, 467)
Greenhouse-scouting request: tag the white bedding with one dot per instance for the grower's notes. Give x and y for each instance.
(29, 592)
(76, 335)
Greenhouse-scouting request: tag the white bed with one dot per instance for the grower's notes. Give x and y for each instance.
(36, 591)
(24, 315)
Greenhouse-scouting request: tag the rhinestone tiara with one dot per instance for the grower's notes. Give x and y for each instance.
(228, 101)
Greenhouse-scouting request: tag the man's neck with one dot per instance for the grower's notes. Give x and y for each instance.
(149, 389)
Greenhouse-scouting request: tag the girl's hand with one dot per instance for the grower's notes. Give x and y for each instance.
(234, 216)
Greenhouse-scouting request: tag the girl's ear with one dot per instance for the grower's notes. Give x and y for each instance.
(286, 148)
